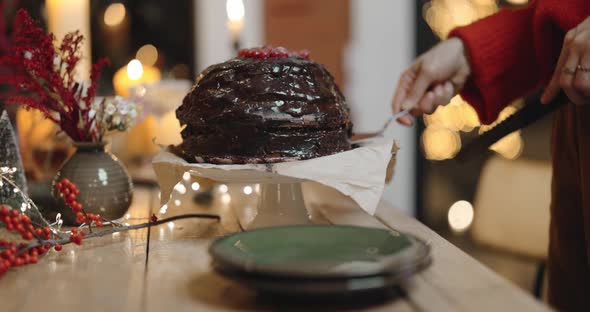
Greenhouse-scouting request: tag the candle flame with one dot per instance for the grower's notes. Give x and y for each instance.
(235, 10)
(134, 69)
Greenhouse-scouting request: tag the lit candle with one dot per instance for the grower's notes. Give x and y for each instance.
(65, 16)
(115, 28)
(235, 21)
(134, 74)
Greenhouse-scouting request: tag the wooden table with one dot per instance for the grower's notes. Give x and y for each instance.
(114, 273)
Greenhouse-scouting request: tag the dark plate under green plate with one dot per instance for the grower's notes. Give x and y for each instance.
(318, 251)
(325, 286)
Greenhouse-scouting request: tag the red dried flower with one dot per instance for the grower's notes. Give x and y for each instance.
(47, 76)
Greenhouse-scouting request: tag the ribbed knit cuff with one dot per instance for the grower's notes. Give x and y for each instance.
(503, 63)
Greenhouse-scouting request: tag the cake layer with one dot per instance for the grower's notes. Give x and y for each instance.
(268, 93)
(267, 105)
(234, 144)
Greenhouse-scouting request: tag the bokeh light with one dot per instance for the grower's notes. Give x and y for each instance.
(226, 198)
(134, 69)
(441, 138)
(440, 143)
(223, 188)
(460, 216)
(114, 14)
(180, 188)
(512, 145)
(147, 55)
(444, 15)
(517, 2)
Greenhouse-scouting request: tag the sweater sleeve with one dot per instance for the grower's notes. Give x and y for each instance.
(515, 51)
(501, 53)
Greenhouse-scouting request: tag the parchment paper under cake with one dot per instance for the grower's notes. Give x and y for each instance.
(360, 173)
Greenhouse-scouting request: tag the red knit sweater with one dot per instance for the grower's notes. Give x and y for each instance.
(515, 51)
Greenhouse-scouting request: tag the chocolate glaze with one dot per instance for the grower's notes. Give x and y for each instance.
(254, 110)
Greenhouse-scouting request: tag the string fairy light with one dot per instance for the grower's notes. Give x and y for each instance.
(40, 239)
(6, 177)
(180, 188)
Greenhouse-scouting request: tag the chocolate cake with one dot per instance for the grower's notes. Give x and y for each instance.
(265, 105)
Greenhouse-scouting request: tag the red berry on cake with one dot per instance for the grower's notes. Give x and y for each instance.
(270, 51)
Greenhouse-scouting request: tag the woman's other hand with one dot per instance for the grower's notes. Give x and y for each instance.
(434, 78)
(572, 73)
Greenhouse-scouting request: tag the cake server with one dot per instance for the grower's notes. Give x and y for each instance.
(363, 137)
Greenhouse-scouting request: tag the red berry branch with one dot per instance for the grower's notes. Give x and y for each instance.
(43, 77)
(69, 192)
(37, 241)
(13, 254)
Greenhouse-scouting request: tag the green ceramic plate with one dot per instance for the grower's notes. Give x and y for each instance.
(318, 252)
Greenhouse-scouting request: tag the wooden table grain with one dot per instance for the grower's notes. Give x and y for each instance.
(115, 273)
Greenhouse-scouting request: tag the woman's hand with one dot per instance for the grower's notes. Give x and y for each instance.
(432, 80)
(572, 73)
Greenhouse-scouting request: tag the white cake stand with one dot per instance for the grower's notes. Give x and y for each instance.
(281, 199)
(280, 204)
(359, 173)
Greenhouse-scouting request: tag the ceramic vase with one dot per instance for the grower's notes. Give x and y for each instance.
(104, 184)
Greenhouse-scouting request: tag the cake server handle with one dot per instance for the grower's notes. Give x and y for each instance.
(393, 118)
